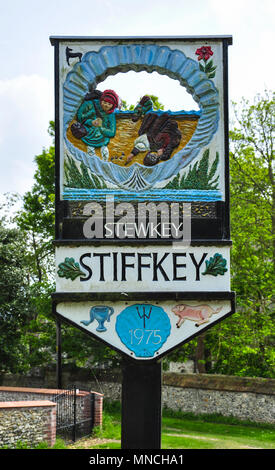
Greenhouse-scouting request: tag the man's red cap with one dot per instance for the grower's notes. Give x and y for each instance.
(111, 97)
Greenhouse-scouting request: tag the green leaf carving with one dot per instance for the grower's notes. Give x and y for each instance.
(80, 177)
(201, 67)
(211, 75)
(208, 66)
(199, 176)
(69, 269)
(216, 265)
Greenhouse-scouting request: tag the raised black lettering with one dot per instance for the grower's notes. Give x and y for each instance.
(198, 265)
(102, 256)
(176, 266)
(125, 265)
(85, 266)
(157, 266)
(115, 266)
(141, 265)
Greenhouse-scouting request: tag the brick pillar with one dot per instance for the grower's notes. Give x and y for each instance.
(86, 409)
(98, 408)
(51, 428)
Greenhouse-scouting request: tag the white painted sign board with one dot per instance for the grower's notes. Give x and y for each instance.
(142, 268)
(144, 330)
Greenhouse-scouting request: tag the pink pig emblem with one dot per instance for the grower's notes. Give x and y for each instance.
(198, 313)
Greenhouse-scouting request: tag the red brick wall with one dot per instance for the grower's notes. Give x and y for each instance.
(98, 408)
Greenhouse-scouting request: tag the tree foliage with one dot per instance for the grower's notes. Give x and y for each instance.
(13, 299)
(243, 344)
(247, 339)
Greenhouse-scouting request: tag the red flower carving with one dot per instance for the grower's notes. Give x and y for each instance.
(209, 68)
(204, 52)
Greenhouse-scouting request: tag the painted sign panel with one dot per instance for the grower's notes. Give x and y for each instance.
(144, 330)
(142, 268)
(145, 152)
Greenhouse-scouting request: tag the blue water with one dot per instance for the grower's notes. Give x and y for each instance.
(74, 194)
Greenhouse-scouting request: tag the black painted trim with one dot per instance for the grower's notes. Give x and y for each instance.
(56, 39)
(138, 241)
(125, 296)
(226, 142)
(57, 141)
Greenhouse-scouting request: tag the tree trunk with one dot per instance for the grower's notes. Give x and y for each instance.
(200, 355)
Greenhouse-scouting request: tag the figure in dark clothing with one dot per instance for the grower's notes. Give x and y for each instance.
(157, 133)
(145, 105)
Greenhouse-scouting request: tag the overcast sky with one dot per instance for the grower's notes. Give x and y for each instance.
(26, 80)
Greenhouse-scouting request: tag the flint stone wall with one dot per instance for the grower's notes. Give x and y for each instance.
(28, 421)
(241, 397)
(22, 417)
(246, 398)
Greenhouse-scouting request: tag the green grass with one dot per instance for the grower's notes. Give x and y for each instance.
(184, 433)
(107, 445)
(111, 427)
(59, 444)
(187, 431)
